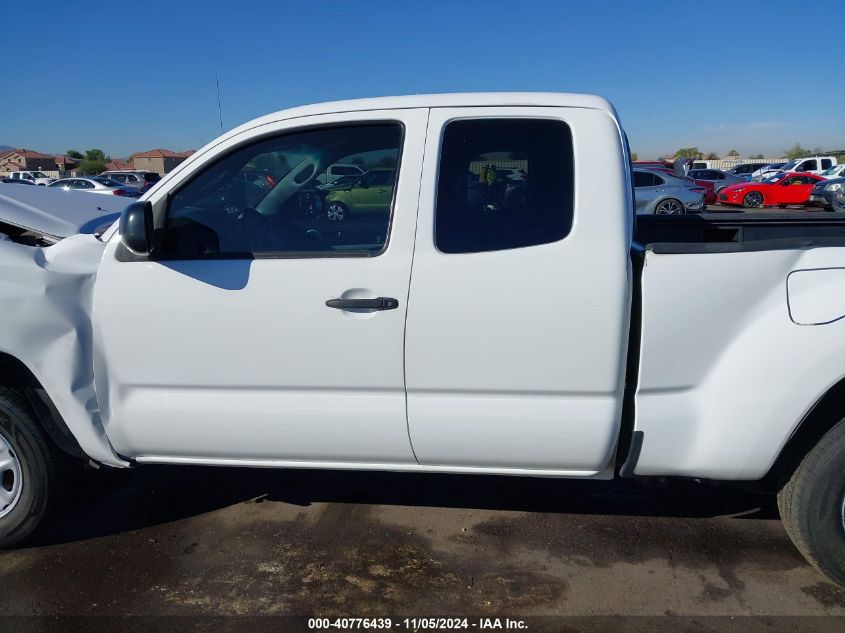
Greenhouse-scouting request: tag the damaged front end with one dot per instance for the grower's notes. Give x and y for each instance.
(46, 294)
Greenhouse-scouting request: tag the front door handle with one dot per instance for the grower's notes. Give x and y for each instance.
(379, 303)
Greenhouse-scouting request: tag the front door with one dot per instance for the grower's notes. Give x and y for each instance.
(222, 346)
(518, 315)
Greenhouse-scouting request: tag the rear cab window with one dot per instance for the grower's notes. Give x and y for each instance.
(504, 184)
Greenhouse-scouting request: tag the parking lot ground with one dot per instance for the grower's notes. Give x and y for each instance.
(203, 541)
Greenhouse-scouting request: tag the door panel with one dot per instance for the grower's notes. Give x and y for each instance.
(515, 356)
(242, 358)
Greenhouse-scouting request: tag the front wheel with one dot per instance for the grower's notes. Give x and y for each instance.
(753, 200)
(670, 207)
(28, 476)
(812, 505)
(336, 211)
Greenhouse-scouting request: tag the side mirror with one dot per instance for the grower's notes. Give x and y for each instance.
(136, 227)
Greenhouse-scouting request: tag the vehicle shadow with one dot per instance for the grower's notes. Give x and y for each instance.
(102, 503)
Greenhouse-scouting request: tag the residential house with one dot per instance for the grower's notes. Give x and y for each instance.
(117, 164)
(26, 160)
(66, 164)
(160, 161)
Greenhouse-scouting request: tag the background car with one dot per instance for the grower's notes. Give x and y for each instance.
(825, 193)
(717, 177)
(766, 170)
(744, 170)
(369, 195)
(779, 191)
(709, 189)
(96, 184)
(17, 181)
(338, 170)
(141, 179)
(837, 171)
(662, 194)
(809, 165)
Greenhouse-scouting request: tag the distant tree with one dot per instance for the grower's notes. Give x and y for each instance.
(635, 156)
(688, 152)
(733, 153)
(796, 151)
(94, 161)
(713, 156)
(817, 150)
(72, 153)
(756, 156)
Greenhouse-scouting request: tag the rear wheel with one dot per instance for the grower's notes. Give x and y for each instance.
(28, 472)
(812, 505)
(753, 200)
(670, 207)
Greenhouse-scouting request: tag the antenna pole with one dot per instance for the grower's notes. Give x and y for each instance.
(219, 108)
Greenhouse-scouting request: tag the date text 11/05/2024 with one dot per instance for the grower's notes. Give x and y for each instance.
(417, 624)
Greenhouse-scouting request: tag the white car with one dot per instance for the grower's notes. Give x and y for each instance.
(455, 324)
(36, 177)
(811, 165)
(95, 184)
(837, 171)
(337, 171)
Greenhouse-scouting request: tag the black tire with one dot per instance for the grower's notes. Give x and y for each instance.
(336, 211)
(669, 206)
(812, 505)
(753, 200)
(21, 431)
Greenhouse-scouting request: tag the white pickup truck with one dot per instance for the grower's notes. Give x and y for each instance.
(452, 321)
(35, 177)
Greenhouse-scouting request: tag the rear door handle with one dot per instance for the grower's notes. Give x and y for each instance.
(379, 303)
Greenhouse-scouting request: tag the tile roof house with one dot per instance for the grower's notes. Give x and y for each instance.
(26, 160)
(66, 163)
(160, 161)
(117, 164)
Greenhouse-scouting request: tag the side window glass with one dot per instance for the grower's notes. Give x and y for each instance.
(263, 198)
(657, 180)
(504, 183)
(826, 163)
(641, 179)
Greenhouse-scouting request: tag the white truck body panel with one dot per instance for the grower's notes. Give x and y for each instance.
(726, 375)
(515, 358)
(504, 361)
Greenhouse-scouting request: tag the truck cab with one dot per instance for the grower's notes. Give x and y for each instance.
(35, 177)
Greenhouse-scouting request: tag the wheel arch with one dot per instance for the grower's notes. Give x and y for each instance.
(827, 411)
(15, 374)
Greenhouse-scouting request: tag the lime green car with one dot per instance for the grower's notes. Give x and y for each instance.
(369, 195)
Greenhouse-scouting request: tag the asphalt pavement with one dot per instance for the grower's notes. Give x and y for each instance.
(204, 541)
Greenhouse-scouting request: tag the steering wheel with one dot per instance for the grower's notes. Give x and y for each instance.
(274, 233)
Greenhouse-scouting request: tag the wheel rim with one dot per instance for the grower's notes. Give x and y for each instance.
(335, 212)
(754, 199)
(669, 207)
(11, 479)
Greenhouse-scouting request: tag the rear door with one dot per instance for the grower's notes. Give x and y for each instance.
(518, 312)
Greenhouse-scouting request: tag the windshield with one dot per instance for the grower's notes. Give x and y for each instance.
(790, 165)
(775, 178)
(831, 171)
(39, 174)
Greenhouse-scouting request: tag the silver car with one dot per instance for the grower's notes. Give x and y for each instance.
(719, 178)
(659, 193)
(96, 184)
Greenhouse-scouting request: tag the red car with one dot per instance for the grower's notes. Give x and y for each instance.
(779, 191)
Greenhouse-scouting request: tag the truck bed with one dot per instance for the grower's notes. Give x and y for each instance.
(734, 232)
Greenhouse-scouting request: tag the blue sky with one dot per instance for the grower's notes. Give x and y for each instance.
(734, 75)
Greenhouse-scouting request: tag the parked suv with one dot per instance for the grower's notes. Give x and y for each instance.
(140, 179)
(35, 177)
(744, 170)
